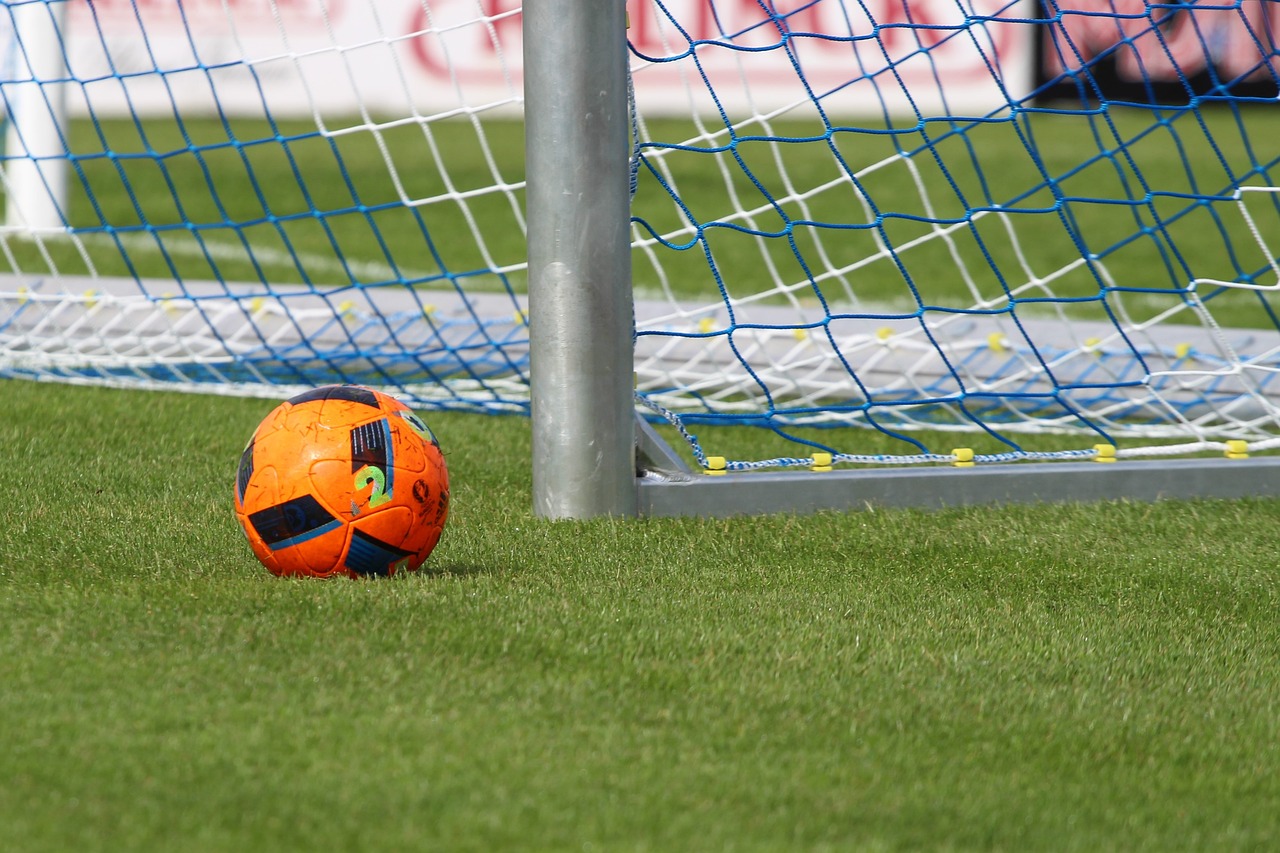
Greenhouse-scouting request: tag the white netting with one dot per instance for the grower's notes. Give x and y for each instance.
(845, 213)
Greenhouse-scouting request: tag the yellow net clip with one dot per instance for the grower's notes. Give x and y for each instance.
(706, 325)
(821, 462)
(1181, 351)
(963, 457)
(715, 465)
(90, 298)
(1237, 449)
(996, 342)
(884, 333)
(1104, 453)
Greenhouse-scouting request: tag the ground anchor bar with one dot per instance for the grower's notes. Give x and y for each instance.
(929, 487)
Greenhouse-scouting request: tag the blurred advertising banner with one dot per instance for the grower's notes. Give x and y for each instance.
(1134, 50)
(287, 57)
(388, 56)
(871, 56)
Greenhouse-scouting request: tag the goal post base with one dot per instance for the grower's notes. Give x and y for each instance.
(669, 494)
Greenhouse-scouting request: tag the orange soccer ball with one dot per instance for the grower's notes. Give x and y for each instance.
(342, 480)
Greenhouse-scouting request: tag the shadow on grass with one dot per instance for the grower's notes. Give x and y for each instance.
(464, 570)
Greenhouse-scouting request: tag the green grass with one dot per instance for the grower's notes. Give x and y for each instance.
(298, 203)
(1071, 677)
(1123, 179)
(1027, 677)
(242, 187)
(301, 201)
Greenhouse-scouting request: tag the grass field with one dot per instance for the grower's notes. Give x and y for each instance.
(1071, 678)
(1100, 677)
(186, 200)
(246, 201)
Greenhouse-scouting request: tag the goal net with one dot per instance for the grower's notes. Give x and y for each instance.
(1051, 226)
(255, 196)
(876, 231)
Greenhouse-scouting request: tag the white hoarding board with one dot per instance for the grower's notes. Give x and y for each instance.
(339, 57)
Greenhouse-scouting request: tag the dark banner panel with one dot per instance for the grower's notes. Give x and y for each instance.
(1134, 50)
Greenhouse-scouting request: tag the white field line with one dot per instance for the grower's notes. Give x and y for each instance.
(318, 266)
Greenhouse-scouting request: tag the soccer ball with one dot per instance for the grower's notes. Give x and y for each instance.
(342, 480)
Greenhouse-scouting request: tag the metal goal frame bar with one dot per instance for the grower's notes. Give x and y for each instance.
(585, 429)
